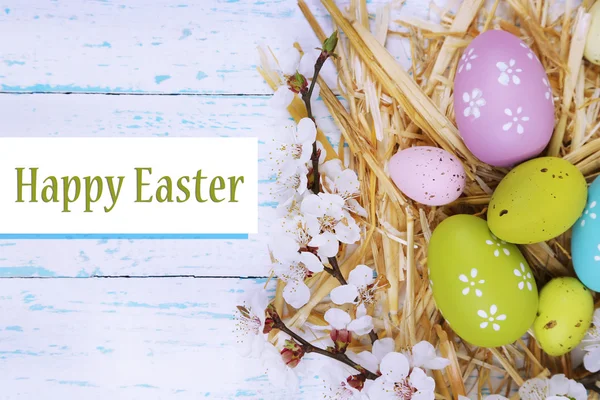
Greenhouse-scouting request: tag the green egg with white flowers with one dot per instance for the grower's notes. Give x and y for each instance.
(482, 285)
(537, 201)
(565, 313)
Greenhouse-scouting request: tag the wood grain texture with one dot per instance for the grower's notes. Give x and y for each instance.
(98, 338)
(143, 116)
(157, 46)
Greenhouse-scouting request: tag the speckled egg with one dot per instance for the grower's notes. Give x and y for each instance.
(585, 242)
(482, 285)
(537, 201)
(564, 315)
(429, 175)
(502, 100)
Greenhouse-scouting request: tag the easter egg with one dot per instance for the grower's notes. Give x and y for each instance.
(537, 201)
(564, 315)
(585, 242)
(482, 286)
(592, 44)
(429, 175)
(502, 100)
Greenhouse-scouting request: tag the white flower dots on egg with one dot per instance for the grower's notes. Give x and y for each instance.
(428, 175)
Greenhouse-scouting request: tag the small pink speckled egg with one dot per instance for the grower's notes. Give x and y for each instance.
(502, 100)
(428, 175)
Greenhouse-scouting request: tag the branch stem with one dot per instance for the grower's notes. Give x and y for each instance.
(310, 348)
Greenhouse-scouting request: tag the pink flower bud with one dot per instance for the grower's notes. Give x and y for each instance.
(341, 338)
(356, 381)
(292, 353)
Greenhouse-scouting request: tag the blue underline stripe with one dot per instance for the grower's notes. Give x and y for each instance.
(239, 236)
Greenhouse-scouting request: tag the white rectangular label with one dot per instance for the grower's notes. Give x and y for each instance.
(128, 186)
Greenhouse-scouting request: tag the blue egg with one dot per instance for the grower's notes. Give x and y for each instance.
(585, 243)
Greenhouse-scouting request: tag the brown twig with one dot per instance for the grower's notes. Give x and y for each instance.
(310, 348)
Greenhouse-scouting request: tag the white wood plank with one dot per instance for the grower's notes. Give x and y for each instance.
(161, 46)
(100, 115)
(128, 339)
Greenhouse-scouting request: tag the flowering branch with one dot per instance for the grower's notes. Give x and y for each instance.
(276, 323)
(326, 52)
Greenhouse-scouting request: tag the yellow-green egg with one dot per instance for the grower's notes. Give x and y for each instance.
(565, 313)
(482, 285)
(537, 201)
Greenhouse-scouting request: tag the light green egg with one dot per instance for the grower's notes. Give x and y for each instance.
(482, 285)
(565, 313)
(537, 201)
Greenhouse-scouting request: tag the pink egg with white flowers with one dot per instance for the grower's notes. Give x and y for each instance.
(502, 100)
(428, 175)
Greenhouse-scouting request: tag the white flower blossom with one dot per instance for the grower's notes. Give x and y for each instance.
(591, 345)
(335, 376)
(341, 320)
(398, 381)
(491, 318)
(250, 322)
(526, 278)
(423, 355)
(289, 63)
(358, 289)
(516, 119)
(291, 182)
(508, 73)
(371, 359)
(343, 182)
(279, 374)
(556, 388)
(328, 221)
(589, 213)
(471, 283)
(465, 60)
(474, 101)
(295, 147)
(294, 271)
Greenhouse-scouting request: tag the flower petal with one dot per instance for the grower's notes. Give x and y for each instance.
(503, 79)
(344, 294)
(420, 381)
(338, 319)
(311, 261)
(362, 325)
(502, 66)
(507, 126)
(306, 131)
(466, 97)
(382, 347)
(288, 61)
(313, 205)
(394, 367)
(364, 358)
(361, 276)
(296, 294)
(282, 98)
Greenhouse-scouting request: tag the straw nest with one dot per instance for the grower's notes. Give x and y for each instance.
(389, 109)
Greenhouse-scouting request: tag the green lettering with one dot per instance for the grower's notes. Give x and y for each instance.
(89, 181)
(183, 188)
(66, 189)
(214, 188)
(20, 185)
(198, 178)
(53, 186)
(168, 187)
(113, 195)
(233, 182)
(139, 185)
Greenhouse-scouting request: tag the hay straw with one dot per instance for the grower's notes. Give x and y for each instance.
(387, 110)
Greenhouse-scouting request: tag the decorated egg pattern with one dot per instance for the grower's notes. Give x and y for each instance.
(502, 100)
(429, 175)
(537, 201)
(482, 285)
(585, 242)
